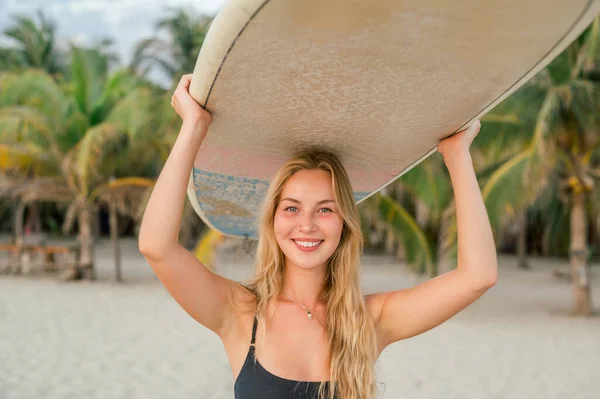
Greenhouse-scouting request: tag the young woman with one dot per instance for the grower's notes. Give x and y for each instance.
(302, 327)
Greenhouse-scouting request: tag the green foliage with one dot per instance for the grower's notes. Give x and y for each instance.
(429, 183)
(35, 45)
(186, 31)
(560, 149)
(419, 255)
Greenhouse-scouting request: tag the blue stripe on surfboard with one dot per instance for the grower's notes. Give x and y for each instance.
(228, 202)
(358, 195)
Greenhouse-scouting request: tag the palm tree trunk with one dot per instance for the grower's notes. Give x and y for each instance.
(86, 241)
(522, 241)
(114, 237)
(578, 257)
(33, 219)
(20, 212)
(444, 262)
(423, 213)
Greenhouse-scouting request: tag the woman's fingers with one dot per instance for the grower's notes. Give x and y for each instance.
(182, 101)
(185, 81)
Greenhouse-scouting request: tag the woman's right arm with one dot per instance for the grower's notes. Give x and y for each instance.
(201, 293)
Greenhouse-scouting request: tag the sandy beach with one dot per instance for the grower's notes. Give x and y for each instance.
(107, 340)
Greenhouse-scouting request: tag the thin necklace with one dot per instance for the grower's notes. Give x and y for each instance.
(309, 314)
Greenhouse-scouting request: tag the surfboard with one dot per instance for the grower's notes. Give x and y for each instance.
(379, 83)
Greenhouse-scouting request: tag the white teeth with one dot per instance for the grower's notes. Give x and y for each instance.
(307, 244)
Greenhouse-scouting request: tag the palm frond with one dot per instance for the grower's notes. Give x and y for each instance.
(448, 236)
(483, 174)
(87, 155)
(24, 124)
(428, 185)
(546, 119)
(549, 216)
(37, 90)
(511, 118)
(418, 250)
(495, 140)
(36, 42)
(511, 123)
(11, 60)
(502, 194)
(26, 159)
(87, 78)
(146, 49)
(133, 113)
(561, 68)
(585, 104)
(588, 62)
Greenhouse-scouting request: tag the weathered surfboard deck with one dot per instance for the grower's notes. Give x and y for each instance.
(380, 83)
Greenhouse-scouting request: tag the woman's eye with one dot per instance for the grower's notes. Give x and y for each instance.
(294, 209)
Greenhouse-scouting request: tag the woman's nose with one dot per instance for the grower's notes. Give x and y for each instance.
(307, 223)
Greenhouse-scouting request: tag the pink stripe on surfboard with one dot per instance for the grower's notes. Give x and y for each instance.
(238, 163)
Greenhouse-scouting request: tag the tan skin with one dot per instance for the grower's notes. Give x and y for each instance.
(295, 347)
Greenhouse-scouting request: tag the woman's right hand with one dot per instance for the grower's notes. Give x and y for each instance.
(185, 105)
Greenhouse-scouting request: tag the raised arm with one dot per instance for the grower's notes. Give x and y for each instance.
(409, 312)
(201, 293)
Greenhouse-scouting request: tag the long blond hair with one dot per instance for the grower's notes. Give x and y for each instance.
(350, 330)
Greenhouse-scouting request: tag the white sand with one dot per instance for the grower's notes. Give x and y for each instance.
(108, 340)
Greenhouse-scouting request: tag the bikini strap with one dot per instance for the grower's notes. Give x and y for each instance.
(254, 332)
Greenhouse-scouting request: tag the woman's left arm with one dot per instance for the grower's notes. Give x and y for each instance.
(477, 260)
(409, 312)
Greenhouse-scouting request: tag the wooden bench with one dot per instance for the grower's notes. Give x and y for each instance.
(46, 258)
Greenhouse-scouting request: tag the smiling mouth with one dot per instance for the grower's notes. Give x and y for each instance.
(307, 245)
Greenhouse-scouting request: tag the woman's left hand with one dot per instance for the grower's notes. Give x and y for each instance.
(461, 141)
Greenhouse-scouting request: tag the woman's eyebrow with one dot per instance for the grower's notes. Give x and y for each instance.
(298, 202)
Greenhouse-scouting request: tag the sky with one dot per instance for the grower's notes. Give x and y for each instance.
(83, 21)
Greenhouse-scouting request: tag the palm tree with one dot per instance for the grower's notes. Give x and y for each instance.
(562, 156)
(35, 45)
(10, 59)
(36, 48)
(186, 32)
(424, 191)
(79, 132)
(125, 196)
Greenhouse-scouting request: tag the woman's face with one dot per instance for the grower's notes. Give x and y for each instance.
(307, 224)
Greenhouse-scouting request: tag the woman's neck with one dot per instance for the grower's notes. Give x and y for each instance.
(304, 285)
